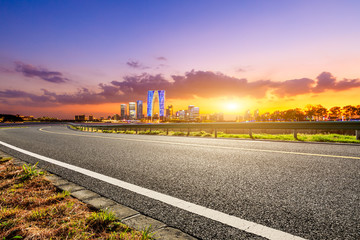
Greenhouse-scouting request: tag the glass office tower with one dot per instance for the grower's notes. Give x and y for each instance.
(152, 96)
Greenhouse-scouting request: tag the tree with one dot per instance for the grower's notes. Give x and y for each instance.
(275, 116)
(349, 111)
(358, 110)
(293, 115)
(310, 111)
(299, 114)
(265, 117)
(257, 115)
(335, 112)
(320, 112)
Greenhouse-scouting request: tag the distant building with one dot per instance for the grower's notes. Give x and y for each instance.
(132, 110)
(181, 115)
(217, 117)
(196, 113)
(191, 112)
(170, 112)
(79, 117)
(123, 113)
(139, 109)
(91, 118)
(27, 118)
(152, 96)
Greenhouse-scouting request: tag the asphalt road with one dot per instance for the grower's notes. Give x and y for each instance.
(310, 190)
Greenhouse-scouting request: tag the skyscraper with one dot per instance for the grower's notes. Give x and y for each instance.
(152, 96)
(191, 112)
(196, 113)
(132, 110)
(139, 110)
(123, 111)
(170, 112)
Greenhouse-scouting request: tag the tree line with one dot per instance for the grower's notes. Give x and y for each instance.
(309, 113)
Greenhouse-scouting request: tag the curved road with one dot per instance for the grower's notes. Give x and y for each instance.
(304, 190)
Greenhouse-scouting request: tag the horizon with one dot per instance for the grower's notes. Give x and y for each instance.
(64, 58)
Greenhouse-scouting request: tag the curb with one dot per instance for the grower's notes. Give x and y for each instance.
(126, 215)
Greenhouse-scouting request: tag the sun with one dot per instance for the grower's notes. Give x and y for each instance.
(232, 106)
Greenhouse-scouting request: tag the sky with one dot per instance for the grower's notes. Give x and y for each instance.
(64, 58)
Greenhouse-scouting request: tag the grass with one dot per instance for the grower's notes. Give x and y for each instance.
(147, 233)
(301, 137)
(5, 159)
(32, 208)
(283, 137)
(328, 138)
(30, 171)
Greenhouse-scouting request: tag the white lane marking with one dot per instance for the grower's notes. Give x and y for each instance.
(203, 145)
(215, 215)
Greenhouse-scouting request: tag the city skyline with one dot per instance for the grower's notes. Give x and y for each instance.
(221, 57)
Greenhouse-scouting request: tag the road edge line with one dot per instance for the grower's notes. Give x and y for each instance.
(241, 224)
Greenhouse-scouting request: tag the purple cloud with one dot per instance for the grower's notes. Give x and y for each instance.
(161, 58)
(326, 81)
(294, 87)
(136, 64)
(209, 84)
(205, 84)
(29, 70)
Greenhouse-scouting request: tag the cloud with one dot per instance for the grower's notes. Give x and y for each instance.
(136, 64)
(29, 70)
(326, 81)
(209, 84)
(161, 58)
(5, 70)
(294, 87)
(204, 84)
(140, 84)
(27, 99)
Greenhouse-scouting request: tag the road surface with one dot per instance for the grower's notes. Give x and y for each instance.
(304, 190)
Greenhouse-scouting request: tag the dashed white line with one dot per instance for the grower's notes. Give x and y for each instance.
(215, 215)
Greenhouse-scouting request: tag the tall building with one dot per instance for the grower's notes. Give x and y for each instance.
(91, 118)
(194, 113)
(152, 96)
(132, 110)
(139, 110)
(181, 114)
(123, 112)
(191, 112)
(170, 112)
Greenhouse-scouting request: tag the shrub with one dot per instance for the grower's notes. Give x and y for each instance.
(130, 132)
(207, 135)
(179, 134)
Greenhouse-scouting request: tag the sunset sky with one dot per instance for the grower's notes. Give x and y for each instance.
(61, 58)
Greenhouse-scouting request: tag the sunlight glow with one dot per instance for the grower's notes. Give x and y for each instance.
(232, 106)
